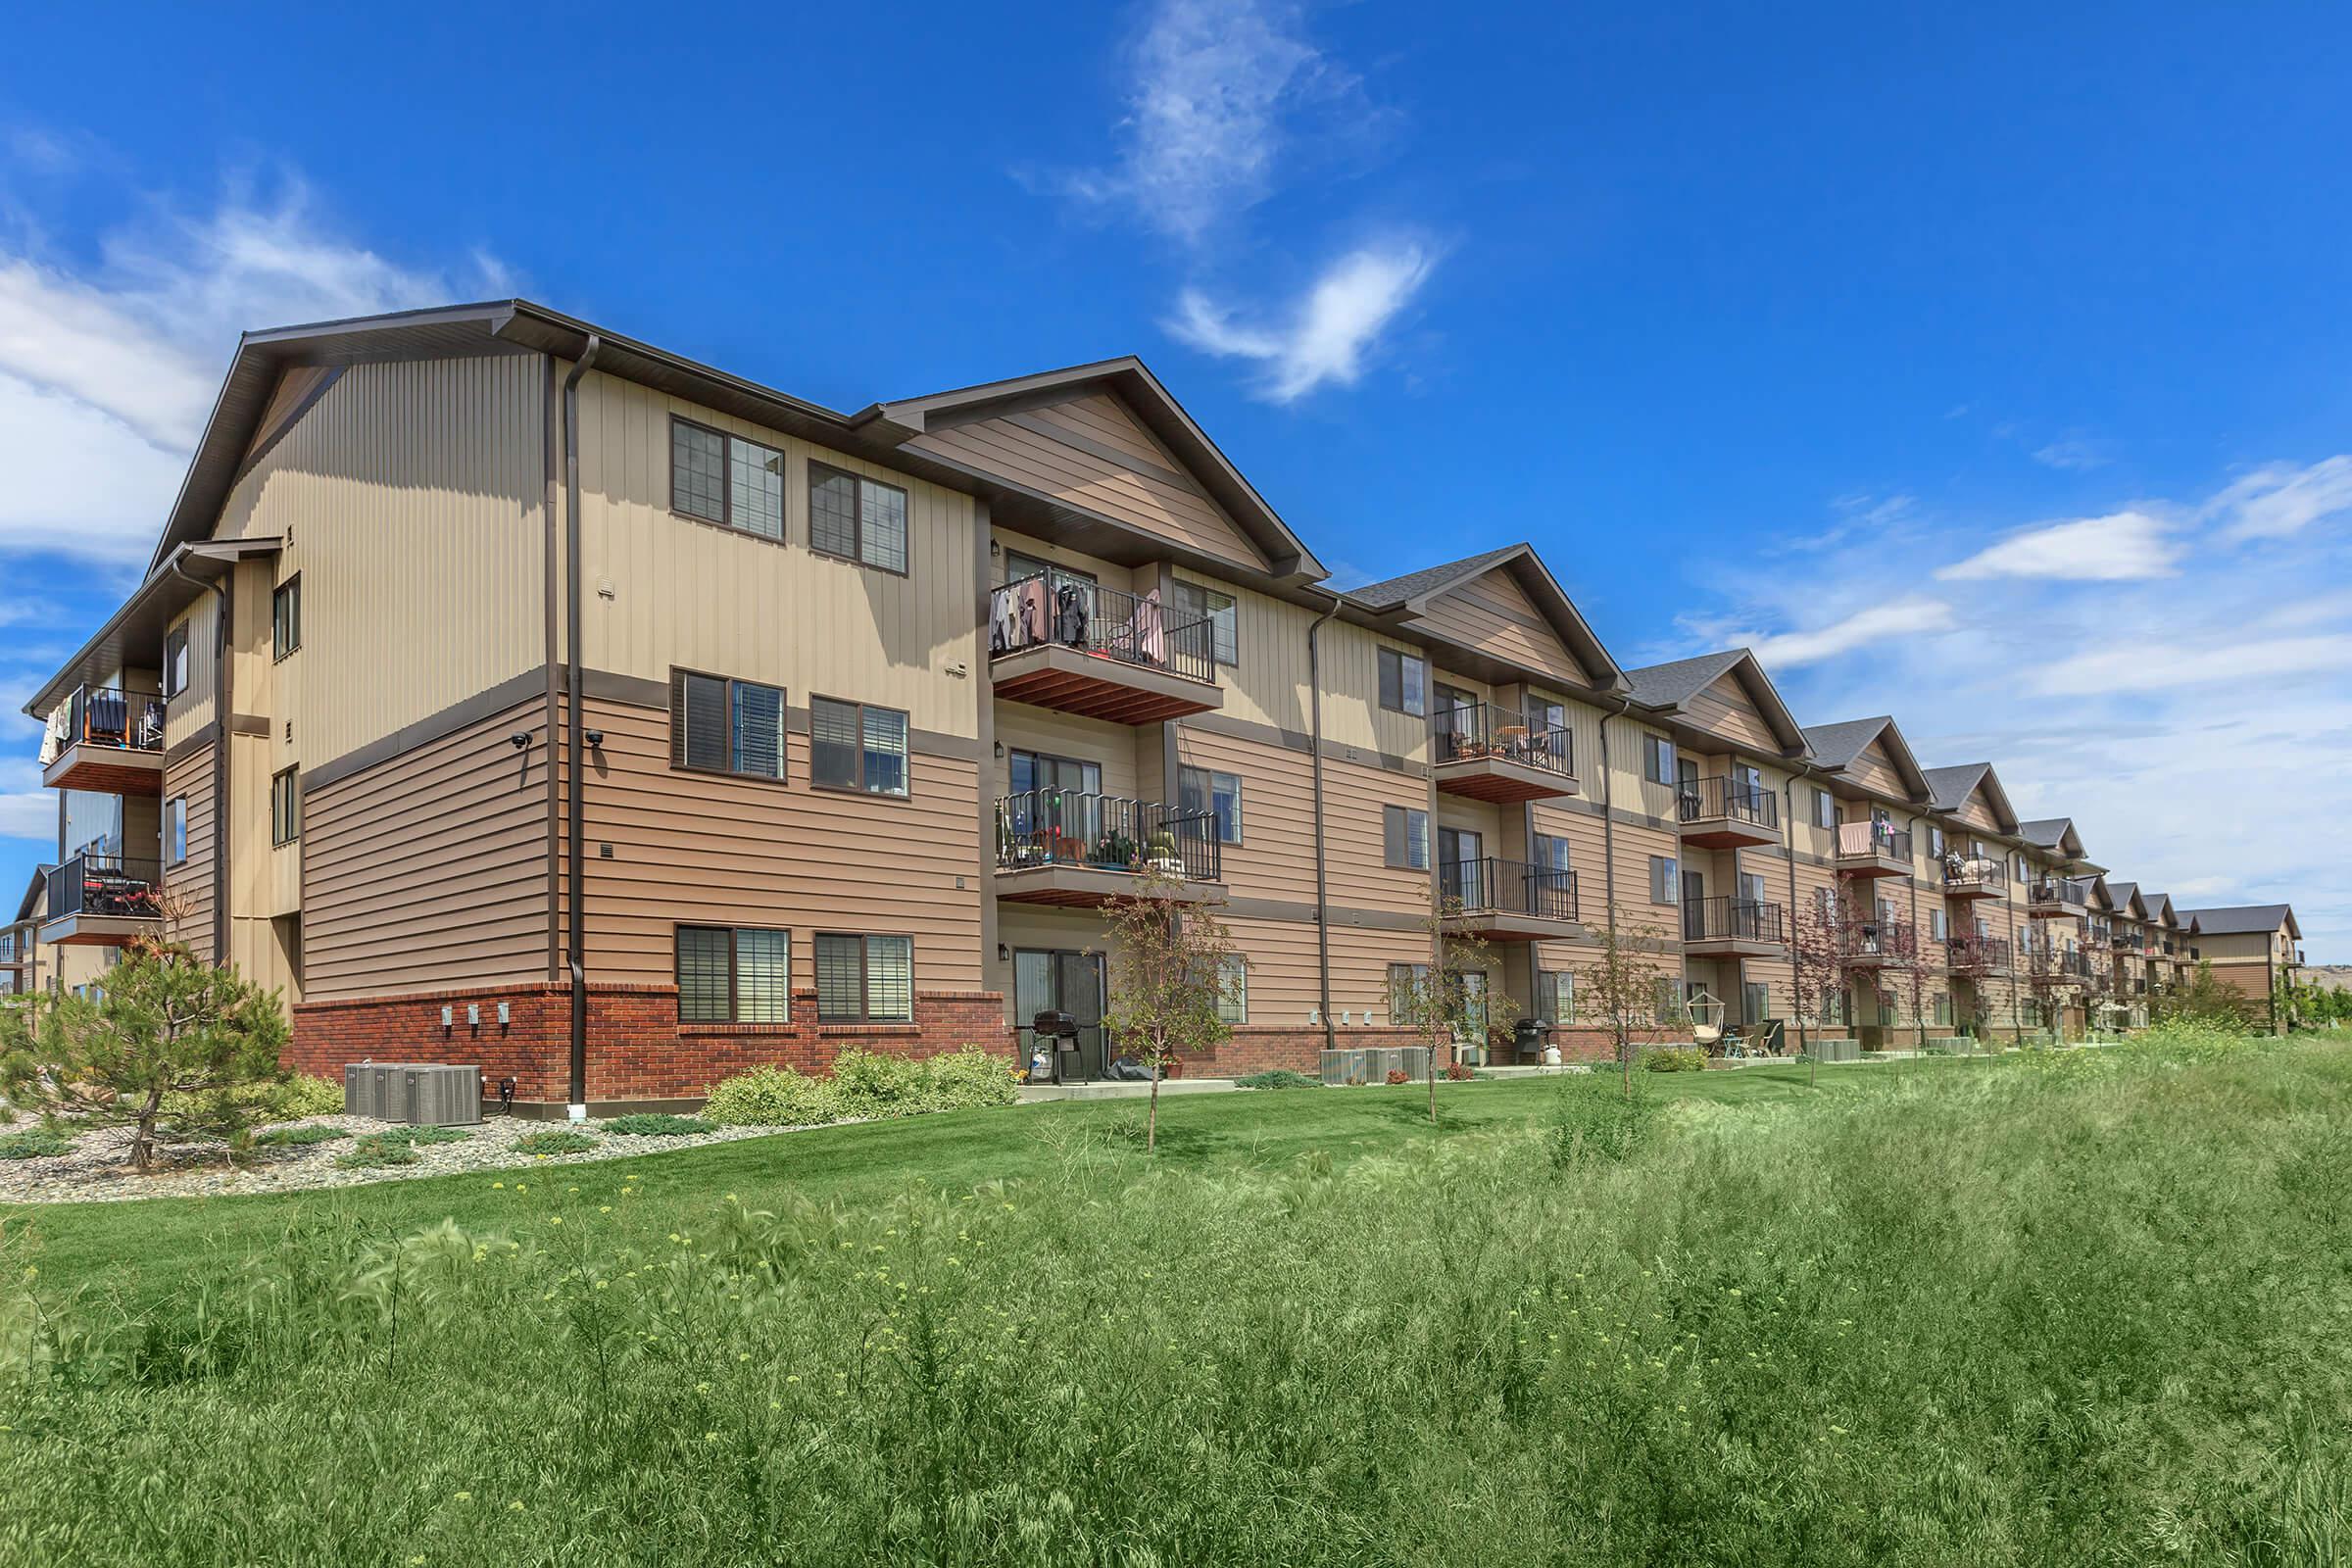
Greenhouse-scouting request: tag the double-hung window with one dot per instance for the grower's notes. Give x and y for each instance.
(286, 807)
(729, 974)
(1405, 837)
(856, 518)
(1403, 683)
(1195, 601)
(285, 616)
(1755, 1001)
(1555, 996)
(1662, 880)
(857, 747)
(726, 480)
(864, 979)
(176, 830)
(1825, 809)
(1657, 760)
(175, 660)
(1198, 790)
(718, 725)
(1407, 984)
(1232, 989)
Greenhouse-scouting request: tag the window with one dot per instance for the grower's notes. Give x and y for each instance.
(285, 807)
(1657, 760)
(857, 520)
(853, 746)
(730, 975)
(1943, 1010)
(175, 660)
(1666, 1000)
(1886, 1009)
(1936, 927)
(1551, 852)
(718, 725)
(1195, 603)
(1407, 982)
(1825, 809)
(285, 618)
(1403, 683)
(1405, 837)
(726, 480)
(1555, 996)
(1232, 989)
(864, 979)
(2031, 1008)
(1755, 1000)
(1935, 841)
(1219, 794)
(1663, 879)
(176, 831)
(1833, 1007)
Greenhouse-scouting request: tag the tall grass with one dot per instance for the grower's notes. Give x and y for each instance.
(2091, 1309)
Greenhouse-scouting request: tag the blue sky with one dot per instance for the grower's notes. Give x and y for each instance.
(2005, 353)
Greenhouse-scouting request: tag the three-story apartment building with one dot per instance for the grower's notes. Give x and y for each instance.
(511, 692)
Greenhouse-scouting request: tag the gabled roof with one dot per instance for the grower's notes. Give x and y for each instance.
(35, 894)
(2128, 901)
(136, 631)
(1950, 787)
(1836, 745)
(1407, 596)
(1666, 687)
(2160, 907)
(2091, 891)
(2052, 833)
(2243, 919)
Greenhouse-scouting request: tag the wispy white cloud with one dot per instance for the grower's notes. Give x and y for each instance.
(1327, 335)
(1912, 615)
(2121, 547)
(2279, 501)
(27, 810)
(2164, 664)
(108, 369)
(2073, 455)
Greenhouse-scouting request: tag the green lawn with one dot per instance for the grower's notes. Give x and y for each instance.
(2086, 1308)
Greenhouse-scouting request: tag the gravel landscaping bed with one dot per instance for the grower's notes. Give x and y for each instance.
(96, 1169)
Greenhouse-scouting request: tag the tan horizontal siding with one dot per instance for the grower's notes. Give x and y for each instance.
(1494, 614)
(1723, 710)
(1276, 858)
(190, 884)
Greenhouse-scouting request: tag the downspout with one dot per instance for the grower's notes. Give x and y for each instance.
(1314, 704)
(221, 735)
(575, 735)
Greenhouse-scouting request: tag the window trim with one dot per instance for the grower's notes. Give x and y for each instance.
(858, 788)
(815, 467)
(1209, 798)
(865, 975)
(176, 804)
(726, 482)
(1660, 752)
(288, 592)
(734, 1017)
(181, 632)
(293, 830)
(1379, 692)
(1405, 837)
(677, 739)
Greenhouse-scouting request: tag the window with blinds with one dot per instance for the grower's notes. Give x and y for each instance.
(733, 975)
(856, 518)
(864, 979)
(706, 974)
(1403, 683)
(1661, 879)
(855, 746)
(1405, 837)
(726, 480)
(1197, 603)
(718, 725)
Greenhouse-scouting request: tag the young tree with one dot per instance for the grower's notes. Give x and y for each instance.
(1445, 1004)
(2204, 997)
(1168, 975)
(168, 1024)
(1621, 983)
(1900, 939)
(1821, 947)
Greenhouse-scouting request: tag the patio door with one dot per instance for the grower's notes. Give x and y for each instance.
(1695, 905)
(1059, 980)
(1462, 873)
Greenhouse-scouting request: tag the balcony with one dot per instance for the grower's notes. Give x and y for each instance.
(1077, 851)
(1882, 944)
(2054, 898)
(1873, 849)
(1726, 928)
(113, 744)
(1508, 901)
(1969, 954)
(1496, 754)
(103, 898)
(1725, 814)
(1058, 640)
(2064, 968)
(1974, 877)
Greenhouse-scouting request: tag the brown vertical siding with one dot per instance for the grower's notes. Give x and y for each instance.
(429, 871)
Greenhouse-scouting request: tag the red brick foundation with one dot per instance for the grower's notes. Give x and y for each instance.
(637, 1048)
(1266, 1048)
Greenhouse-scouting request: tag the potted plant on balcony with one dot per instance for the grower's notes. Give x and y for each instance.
(1163, 855)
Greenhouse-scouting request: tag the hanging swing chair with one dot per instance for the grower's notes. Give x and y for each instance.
(1706, 1019)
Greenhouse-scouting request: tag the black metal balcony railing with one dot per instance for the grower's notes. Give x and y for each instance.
(1723, 918)
(1973, 872)
(1968, 950)
(1717, 799)
(106, 883)
(2050, 890)
(1477, 730)
(1509, 887)
(2068, 967)
(1106, 832)
(1882, 938)
(2131, 940)
(1862, 841)
(104, 716)
(1052, 609)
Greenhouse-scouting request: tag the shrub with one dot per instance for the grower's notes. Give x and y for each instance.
(1398, 1075)
(1675, 1058)
(302, 1137)
(654, 1124)
(1459, 1073)
(303, 1095)
(1278, 1078)
(34, 1142)
(375, 1150)
(969, 1077)
(772, 1097)
(555, 1141)
(872, 1084)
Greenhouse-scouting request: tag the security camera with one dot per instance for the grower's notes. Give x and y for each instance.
(520, 740)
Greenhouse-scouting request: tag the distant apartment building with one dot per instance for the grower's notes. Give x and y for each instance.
(2254, 949)
(511, 692)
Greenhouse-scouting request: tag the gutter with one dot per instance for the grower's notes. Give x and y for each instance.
(222, 735)
(1314, 691)
(576, 738)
